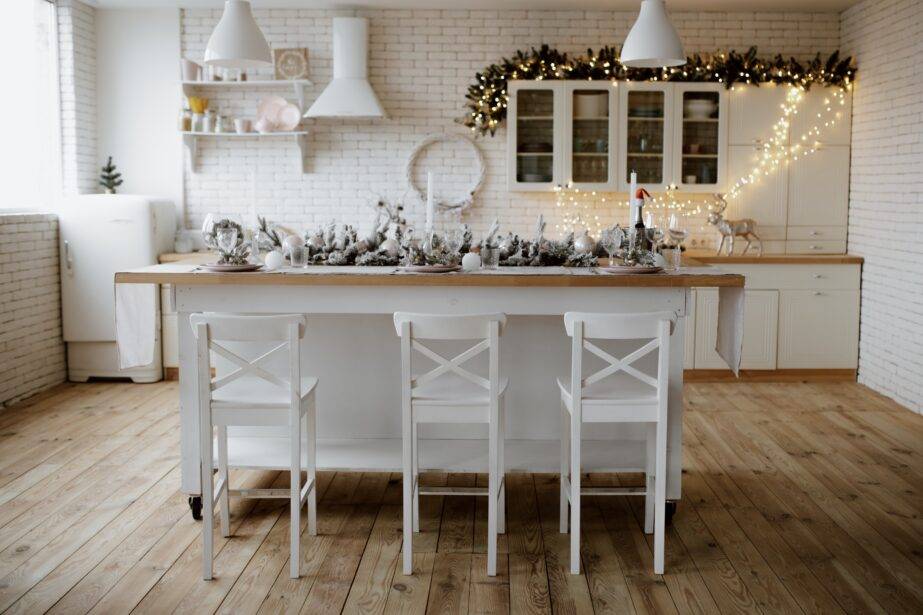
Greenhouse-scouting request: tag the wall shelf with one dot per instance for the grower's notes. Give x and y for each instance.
(191, 139)
(298, 85)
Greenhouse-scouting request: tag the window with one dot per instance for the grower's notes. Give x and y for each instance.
(30, 133)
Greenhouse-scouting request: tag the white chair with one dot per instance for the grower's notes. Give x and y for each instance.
(608, 397)
(449, 393)
(252, 396)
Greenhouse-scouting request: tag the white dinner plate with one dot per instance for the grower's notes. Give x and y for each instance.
(231, 268)
(626, 270)
(431, 268)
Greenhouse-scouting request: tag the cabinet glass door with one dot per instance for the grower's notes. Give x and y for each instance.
(535, 142)
(646, 134)
(701, 135)
(590, 136)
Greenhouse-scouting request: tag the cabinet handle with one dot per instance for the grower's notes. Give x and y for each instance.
(818, 276)
(814, 233)
(817, 293)
(816, 247)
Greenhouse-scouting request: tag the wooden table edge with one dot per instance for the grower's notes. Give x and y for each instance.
(715, 280)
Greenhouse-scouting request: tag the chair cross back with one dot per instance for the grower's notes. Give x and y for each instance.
(286, 330)
(453, 365)
(621, 365)
(246, 367)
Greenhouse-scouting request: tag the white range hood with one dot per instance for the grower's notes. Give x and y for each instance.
(349, 94)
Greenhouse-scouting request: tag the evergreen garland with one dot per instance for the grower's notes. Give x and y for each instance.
(487, 96)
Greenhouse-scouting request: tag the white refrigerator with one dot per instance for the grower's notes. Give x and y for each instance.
(99, 235)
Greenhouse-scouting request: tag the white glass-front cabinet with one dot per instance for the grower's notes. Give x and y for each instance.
(594, 134)
(646, 134)
(535, 139)
(590, 153)
(700, 137)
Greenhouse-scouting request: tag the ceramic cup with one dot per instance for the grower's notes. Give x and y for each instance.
(242, 125)
(191, 70)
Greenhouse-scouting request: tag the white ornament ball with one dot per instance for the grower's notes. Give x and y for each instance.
(585, 243)
(273, 260)
(292, 241)
(390, 246)
(471, 261)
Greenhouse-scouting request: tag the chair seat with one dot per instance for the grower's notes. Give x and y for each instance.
(614, 399)
(256, 393)
(452, 390)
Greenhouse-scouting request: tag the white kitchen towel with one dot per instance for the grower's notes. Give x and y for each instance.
(135, 323)
(730, 337)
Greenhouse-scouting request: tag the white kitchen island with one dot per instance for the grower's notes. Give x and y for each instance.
(351, 347)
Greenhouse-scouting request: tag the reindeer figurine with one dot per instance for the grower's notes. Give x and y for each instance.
(730, 229)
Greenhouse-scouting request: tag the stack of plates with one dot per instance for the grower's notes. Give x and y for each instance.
(278, 113)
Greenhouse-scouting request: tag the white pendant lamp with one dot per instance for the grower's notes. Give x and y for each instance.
(237, 42)
(653, 42)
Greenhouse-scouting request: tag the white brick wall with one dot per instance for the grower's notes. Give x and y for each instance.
(77, 70)
(31, 348)
(421, 63)
(886, 192)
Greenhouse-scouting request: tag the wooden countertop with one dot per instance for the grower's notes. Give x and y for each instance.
(710, 258)
(186, 274)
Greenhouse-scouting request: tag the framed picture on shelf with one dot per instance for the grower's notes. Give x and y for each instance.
(291, 63)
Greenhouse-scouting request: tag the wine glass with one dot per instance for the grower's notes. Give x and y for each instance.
(678, 234)
(226, 238)
(608, 243)
(453, 239)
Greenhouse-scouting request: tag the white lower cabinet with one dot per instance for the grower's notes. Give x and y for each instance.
(818, 329)
(796, 316)
(761, 311)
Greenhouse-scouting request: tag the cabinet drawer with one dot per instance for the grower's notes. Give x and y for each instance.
(818, 329)
(819, 246)
(817, 233)
(798, 277)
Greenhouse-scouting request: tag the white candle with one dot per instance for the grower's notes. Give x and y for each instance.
(632, 190)
(430, 180)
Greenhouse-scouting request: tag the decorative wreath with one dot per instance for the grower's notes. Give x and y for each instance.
(461, 203)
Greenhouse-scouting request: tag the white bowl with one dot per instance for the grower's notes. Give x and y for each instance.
(698, 109)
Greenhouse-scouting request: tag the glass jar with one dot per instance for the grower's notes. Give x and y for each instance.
(490, 258)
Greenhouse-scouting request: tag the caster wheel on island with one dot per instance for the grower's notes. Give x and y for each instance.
(195, 505)
(669, 511)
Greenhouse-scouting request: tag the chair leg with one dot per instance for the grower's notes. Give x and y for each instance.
(415, 485)
(493, 492)
(575, 497)
(208, 499)
(295, 495)
(224, 508)
(501, 460)
(565, 460)
(407, 441)
(311, 429)
(660, 493)
(649, 454)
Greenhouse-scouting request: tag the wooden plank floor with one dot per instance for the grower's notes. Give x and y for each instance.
(797, 498)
